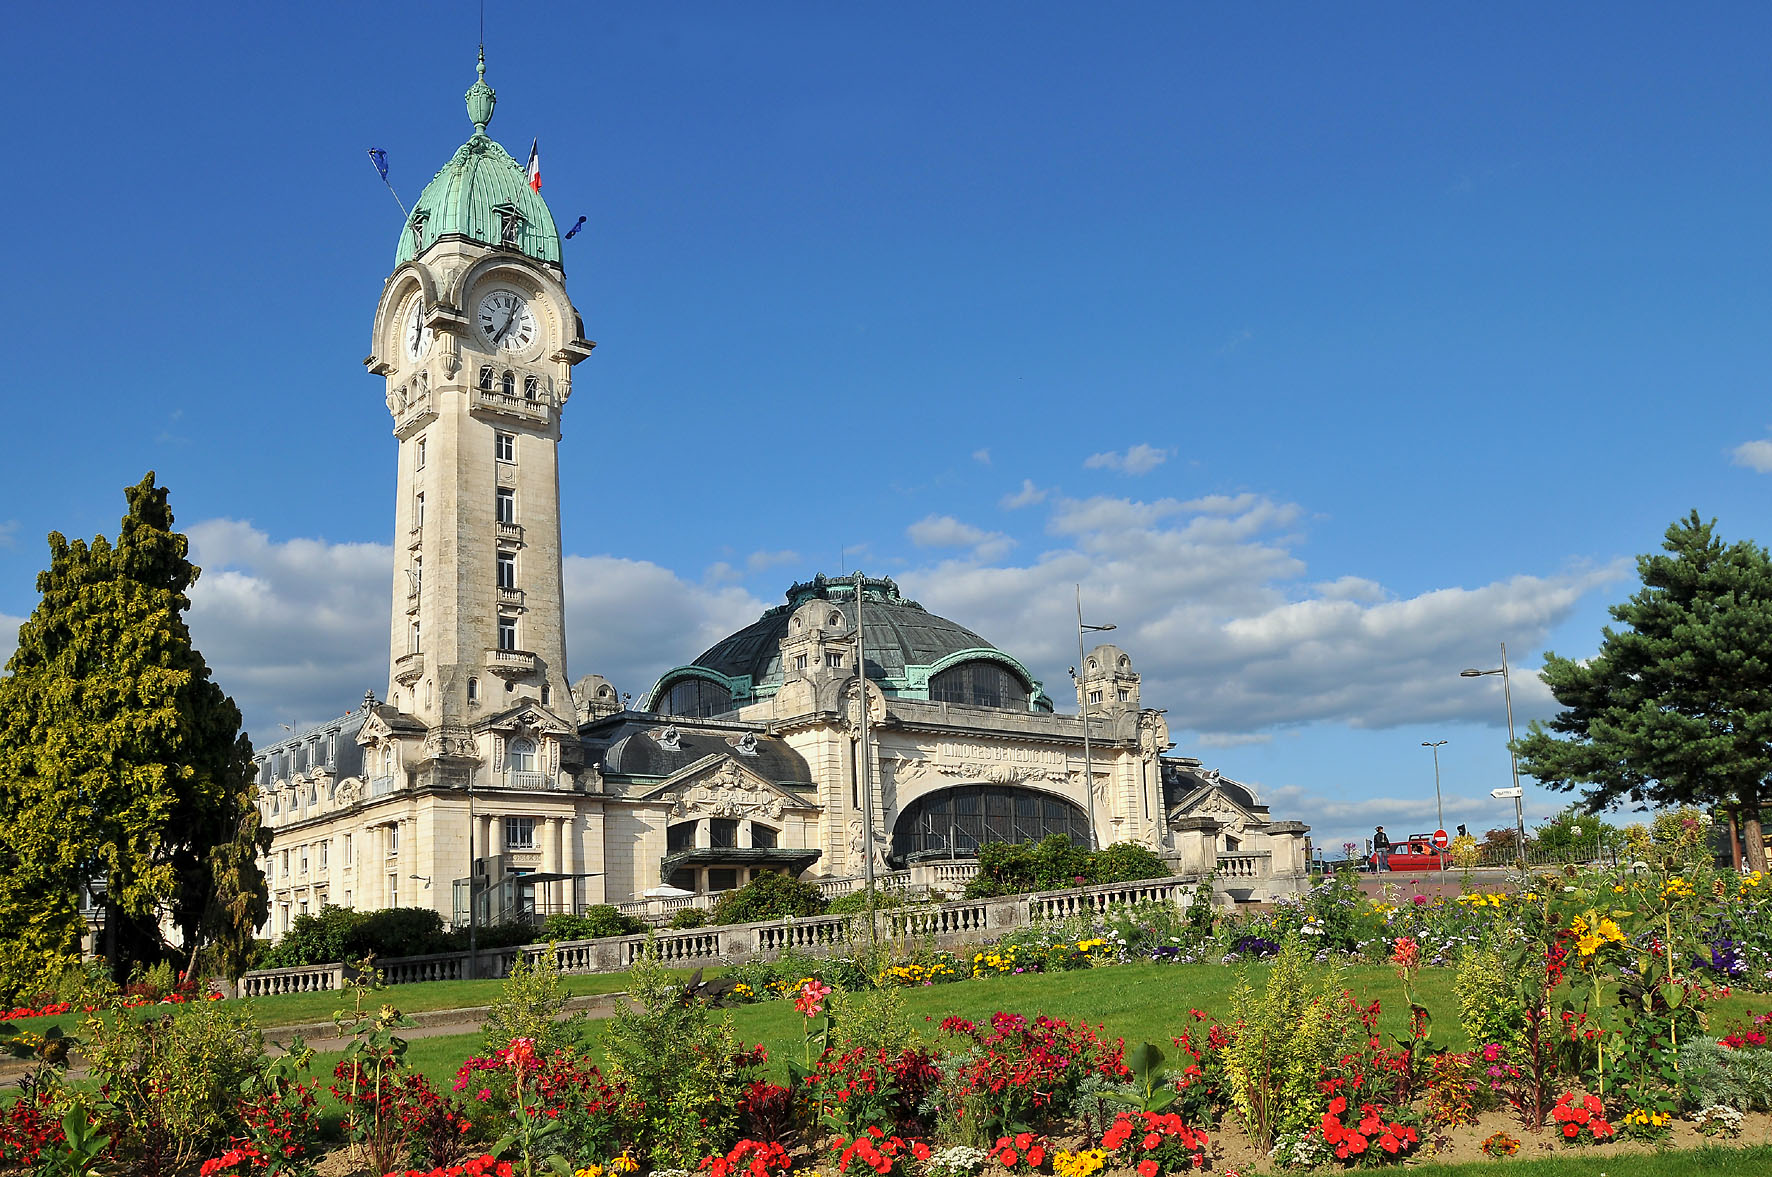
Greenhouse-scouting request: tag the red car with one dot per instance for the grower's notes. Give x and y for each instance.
(1417, 853)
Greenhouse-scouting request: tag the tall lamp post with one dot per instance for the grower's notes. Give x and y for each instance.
(1439, 805)
(1083, 699)
(1508, 694)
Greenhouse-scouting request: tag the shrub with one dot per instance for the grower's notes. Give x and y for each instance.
(1711, 1073)
(856, 902)
(684, 1071)
(530, 1006)
(341, 934)
(689, 917)
(598, 921)
(1285, 1035)
(323, 937)
(1127, 862)
(1488, 999)
(400, 931)
(767, 897)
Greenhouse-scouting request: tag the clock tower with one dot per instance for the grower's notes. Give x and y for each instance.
(476, 338)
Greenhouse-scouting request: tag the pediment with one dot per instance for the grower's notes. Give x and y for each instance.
(528, 719)
(718, 785)
(1211, 801)
(374, 728)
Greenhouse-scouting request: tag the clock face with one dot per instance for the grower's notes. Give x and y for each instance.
(416, 335)
(506, 321)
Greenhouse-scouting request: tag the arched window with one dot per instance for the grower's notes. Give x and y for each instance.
(980, 684)
(387, 760)
(507, 384)
(957, 821)
(521, 756)
(486, 378)
(694, 698)
(530, 387)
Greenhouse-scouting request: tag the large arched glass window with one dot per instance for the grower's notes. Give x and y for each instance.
(694, 698)
(957, 821)
(521, 756)
(980, 684)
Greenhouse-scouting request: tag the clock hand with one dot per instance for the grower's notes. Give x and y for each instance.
(502, 331)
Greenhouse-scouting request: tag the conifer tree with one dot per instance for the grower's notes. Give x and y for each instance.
(1676, 708)
(121, 760)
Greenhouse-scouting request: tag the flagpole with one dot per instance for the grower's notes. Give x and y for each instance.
(381, 170)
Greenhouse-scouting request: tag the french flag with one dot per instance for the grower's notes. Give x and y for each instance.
(532, 169)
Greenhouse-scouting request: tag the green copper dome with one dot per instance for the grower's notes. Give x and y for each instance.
(477, 192)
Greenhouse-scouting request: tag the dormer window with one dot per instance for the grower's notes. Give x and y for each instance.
(417, 228)
(510, 225)
(486, 378)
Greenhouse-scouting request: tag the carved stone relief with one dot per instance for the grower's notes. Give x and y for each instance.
(729, 791)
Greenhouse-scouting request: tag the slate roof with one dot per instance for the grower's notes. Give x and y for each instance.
(635, 752)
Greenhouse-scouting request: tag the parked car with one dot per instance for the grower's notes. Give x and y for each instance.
(1415, 853)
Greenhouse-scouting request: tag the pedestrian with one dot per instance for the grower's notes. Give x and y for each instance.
(1381, 849)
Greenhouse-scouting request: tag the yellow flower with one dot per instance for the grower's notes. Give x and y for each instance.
(1078, 1164)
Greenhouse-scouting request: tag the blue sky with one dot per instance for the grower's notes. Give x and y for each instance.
(1326, 349)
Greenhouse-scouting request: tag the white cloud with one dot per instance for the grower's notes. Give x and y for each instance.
(760, 560)
(983, 457)
(8, 532)
(1140, 459)
(1027, 496)
(1230, 634)
(945, 531)
(8, 636)
(1755, 455)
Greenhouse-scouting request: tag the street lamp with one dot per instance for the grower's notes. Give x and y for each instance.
(1436, 745)
(1083, 698)
(1508, 694)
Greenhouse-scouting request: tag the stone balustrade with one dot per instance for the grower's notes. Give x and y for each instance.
(318, 978)
(1244, 865)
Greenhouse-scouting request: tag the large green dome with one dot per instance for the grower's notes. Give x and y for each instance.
(466, 197)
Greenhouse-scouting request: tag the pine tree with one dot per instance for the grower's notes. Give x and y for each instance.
(121, 759)
(1676, 708)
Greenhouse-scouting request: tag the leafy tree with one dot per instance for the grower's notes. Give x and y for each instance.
(1676, 708)
(121, 759)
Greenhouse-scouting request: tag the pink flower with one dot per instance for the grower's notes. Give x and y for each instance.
(810, 1002)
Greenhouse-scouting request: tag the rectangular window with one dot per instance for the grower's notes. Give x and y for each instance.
(486, 378)
(304, 860)
(1125, 695)
(800, 662)
(833, 660)
(393, 840)
(347, 898)
(325, 854)
(393, 890)
(723, 832)
(284, 864)
(418, 575)
(680, 837)
(762, 837)
(418, 510)
(519, 833)
(722, 878)
(1094, 697)
(507, 634)
(473, 690)
(418, 460)
(348, 858)
(507, 505)
(415, 637)
(507, 571)
(505, 447)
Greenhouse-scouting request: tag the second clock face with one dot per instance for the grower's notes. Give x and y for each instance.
(506, 321)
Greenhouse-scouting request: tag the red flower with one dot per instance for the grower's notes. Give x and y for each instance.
(1036, 1156)
(1147, 1168)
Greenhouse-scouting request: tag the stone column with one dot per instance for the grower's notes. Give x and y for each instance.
(572, 861)
(550, 859)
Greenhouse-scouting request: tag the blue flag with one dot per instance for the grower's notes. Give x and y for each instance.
(572, 232)
(380, 159)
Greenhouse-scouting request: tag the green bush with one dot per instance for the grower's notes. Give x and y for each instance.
(1054, 863)
(857, 901)
(401, 931)
(337, 934)
(498, 936)
(1712, 1073)
(689, 917)
(601, 920)
(1287, 1034)
(767, 897)
(530, 1007)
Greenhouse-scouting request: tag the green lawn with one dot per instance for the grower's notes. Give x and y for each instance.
(1711, 1161)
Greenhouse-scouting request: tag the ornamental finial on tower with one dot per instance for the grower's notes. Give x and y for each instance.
(481, 98)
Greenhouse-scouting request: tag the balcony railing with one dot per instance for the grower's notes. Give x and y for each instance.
(511, 531)
(510, 663)
(528, 780)
(509, 596)
(381, 786)
(409, 668)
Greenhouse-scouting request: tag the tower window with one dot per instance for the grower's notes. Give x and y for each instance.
(507, 634)
(507, 505)
(504, 447)
(547, 695)
(833, 660)
(419, 459)
(507, 384)
(473, 690)
(418, 510)
(529, 387)
(507, 571)
(1094, 697)
(417, 575)
(415, 637)
(486, 378)
(800, 662)
(521, 756)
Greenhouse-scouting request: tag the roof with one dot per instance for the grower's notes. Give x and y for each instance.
(472, 193)
(900, 634)
(645, 749)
